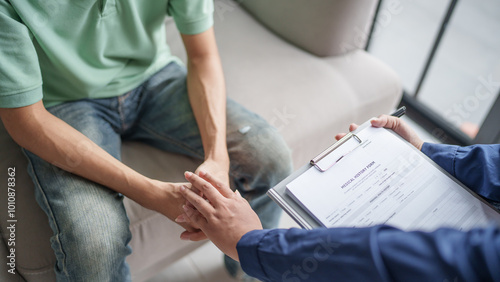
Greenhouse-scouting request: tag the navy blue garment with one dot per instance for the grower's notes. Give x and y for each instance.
(384, 253)
(476, 166)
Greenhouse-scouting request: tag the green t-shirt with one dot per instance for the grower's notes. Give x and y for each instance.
(87, 48)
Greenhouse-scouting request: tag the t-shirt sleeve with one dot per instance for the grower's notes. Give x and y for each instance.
(20, 76)
(191, 16)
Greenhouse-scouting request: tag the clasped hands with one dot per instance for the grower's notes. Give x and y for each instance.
(168, 199)
(207, 207)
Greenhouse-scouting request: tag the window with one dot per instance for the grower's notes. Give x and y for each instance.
(447, 54)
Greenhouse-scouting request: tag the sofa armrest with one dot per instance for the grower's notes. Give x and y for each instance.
(321, 27)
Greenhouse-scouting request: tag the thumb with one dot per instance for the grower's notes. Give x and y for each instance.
(193, 235)
(378, 122)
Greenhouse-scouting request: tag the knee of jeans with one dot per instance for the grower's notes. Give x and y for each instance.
(93, 246)
(264, 156)
(276, 158)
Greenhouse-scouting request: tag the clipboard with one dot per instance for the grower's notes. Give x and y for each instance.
(327, 159)
(322, 162)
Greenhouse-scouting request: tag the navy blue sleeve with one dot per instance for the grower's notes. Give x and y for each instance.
(476, 166)
(379, 253)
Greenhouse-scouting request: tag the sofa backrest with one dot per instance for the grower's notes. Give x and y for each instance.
(321, 27)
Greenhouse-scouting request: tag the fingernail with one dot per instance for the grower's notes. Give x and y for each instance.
(188, 174)
(184, 237)
(202, 173)
(183, 187)
(184, 207)
(180, 219)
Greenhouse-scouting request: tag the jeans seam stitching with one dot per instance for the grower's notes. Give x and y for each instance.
(171, 140)
(49, 208)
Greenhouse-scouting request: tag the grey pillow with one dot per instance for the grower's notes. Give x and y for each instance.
(321, 27)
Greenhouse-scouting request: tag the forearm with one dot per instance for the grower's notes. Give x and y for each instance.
(58, 143)
(207, 96)
(207, 93)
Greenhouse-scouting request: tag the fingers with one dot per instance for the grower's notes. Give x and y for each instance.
(194, 217)
(238, 194)
(386, 121)
(223, 189)
(400, 127)
(381, 121)
(197, 192)
(352, 127)
(204, 207)
(340, 136)
(208, 190)
(193, 235)
(182, 218)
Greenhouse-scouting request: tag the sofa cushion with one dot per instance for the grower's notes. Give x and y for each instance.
(322, 27)
(34, 257)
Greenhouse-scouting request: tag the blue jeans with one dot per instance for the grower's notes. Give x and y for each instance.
(91, 228)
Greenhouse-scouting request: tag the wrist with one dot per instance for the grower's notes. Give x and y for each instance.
(152, 191)
(419, 145)
(218, 158)
(218, 154)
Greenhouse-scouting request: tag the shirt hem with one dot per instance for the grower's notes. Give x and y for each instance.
(195, 27)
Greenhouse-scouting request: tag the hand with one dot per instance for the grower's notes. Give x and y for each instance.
(224, 216)
(219, 169)
(169, 203)
(394, 123)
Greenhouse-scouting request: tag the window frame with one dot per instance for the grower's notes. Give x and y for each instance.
(431, 121)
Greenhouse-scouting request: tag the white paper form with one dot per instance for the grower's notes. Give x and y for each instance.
(386, 181)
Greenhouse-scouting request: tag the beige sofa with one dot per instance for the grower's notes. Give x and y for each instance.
(297, 63)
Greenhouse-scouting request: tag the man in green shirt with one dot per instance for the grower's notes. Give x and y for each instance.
(76, 78)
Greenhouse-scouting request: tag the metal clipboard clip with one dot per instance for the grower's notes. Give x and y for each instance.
(332, 156)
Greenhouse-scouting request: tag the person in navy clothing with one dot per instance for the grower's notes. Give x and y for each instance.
(379, 253)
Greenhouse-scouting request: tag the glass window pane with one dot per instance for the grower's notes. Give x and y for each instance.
(464, 78)
(404, 34)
